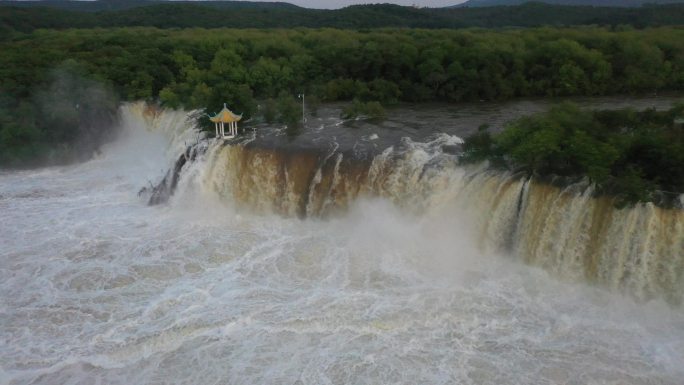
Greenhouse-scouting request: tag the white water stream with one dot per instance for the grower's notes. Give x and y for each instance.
(98, 288)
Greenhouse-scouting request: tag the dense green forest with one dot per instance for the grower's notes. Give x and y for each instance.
(632, 155)
(204, 15)
(197, 68)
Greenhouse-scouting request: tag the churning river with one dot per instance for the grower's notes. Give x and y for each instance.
(266, 267)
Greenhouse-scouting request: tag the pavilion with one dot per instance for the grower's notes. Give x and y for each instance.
(224, 117)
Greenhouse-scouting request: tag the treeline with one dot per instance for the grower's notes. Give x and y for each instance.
(118, 5)
(204, 68)
(204, 15)
(636, 156)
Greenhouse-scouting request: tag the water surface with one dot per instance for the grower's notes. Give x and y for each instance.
(97, 287)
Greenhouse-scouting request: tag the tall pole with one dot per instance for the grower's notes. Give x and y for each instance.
(301, 96)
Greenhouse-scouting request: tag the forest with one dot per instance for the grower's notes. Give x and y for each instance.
(84, 72)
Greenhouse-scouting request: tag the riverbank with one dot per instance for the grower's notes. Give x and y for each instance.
(634, 156)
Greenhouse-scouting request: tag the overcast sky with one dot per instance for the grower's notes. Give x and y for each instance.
(344, 3)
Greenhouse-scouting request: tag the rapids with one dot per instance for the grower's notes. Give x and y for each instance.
(306, 267)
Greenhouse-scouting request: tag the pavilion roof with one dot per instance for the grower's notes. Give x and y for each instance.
(225, 116)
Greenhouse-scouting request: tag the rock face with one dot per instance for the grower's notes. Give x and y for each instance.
(164, 190)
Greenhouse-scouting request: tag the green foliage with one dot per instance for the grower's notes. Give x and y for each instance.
(270, 111)
(370, 110)
(631, 187)
(383, 91)
(169, 98)
(289, 110)
(629, 154)
(480, 147)
(374, 110)
(196, 68)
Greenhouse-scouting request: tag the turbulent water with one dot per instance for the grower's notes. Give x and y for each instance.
(326, 267)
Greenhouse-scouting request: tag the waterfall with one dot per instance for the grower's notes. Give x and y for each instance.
(574, 235)
(320, 183)
(567, 231)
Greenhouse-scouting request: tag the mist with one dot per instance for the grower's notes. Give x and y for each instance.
(80, 113)
(66, 118)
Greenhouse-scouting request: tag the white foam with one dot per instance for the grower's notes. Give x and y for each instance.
(96, 287)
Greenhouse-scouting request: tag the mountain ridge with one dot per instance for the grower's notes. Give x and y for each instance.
(590, 3)
(185, 14)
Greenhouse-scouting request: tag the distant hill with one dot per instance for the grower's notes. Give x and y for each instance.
(119, 5)
(232, 14)
(594, 3)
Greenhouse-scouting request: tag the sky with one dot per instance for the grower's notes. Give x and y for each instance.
(344, 3)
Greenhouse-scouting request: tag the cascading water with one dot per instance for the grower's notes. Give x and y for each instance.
(312, 183)
(639, 250)
(400, 272)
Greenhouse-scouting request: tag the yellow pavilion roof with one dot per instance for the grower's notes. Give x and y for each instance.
(225, 116)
